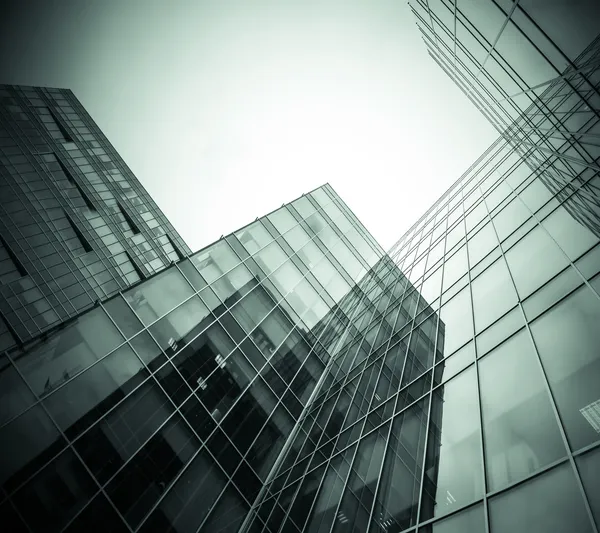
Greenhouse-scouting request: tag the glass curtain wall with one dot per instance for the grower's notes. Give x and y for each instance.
(165, 407)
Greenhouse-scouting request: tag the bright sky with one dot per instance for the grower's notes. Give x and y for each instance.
(227, 109)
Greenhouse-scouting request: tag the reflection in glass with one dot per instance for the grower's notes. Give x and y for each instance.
(589, 470)
(471, 520)
(534, 260)
(550, 503)
(453, 468)
(568, 340)
(456, 323)
(512, 392)
(397, 500)
(493, 294)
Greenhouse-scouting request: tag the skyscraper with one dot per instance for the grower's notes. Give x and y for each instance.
(533, 70)
(166, 406)
(294, 377)
(76, 225)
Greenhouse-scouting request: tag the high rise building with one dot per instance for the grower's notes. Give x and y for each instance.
(533, 70)
(294, 377)
(76, 225)
(165, 406)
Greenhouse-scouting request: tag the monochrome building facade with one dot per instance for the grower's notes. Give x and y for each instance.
(76, 225)
(294, 377)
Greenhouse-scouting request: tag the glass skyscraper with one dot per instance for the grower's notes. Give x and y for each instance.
(76, 225)
(294, 377)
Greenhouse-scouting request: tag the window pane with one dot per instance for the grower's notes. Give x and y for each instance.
(493, 294)
(550, 503)
(470, 521)
(456, 323)
(158, 295)
(589, 470)
(453, 466)
(510, 218)
(215, 261)
(455, 267)
(534, 260)
(568, 338)
(186, 505)
(121, 370)
(512, 391)
(254, 237)
(397, 501)
(572, 237)
(482, 244)
(283, 220)
(69, 351)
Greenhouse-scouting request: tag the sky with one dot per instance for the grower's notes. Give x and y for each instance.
(225, 109)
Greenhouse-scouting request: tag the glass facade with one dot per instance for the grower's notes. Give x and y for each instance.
(165, 407)
(294, 377)
(76, 225)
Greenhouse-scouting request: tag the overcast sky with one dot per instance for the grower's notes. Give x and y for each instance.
(225, 109)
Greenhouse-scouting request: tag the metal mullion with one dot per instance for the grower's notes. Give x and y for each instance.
(289, 441)
(477, 381)
(69, 446)
(493, 46)
(546, 384)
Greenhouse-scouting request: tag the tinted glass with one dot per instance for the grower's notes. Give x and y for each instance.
(550, 503)
(512, 389)
(568, 338)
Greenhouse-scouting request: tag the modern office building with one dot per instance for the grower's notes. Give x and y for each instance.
(165, 407)
(294, 377)
(533, 70)
(76, 225)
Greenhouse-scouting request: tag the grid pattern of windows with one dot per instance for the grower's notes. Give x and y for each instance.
(165, 408)
(464, 389)
(76, 226)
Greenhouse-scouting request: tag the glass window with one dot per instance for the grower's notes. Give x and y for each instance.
(535, 195)
(482, 243)
(297, 238)
(187, 319)
(471, 520)
(69, 351)
(512, 392)
(534, 260)
(501, 330)
(55, 495)
(454, 461)
(455, 267)
(254, 237)
(551, 293)
(235, 280)
(400, 484)
(215, 261)
(493, 294)
(286, 277)
(187, 504)
(567, 338)
(304, 206)
(589, 470)
(158, 295)
(24, 440)
(510, 218)
(134, 489)
(456, 323)
(123, 316)
(15, 396)
(283, 220)
(106, 446)
(271, 257)
(121, 371)
(229, 513)
(550, 503)
(449, 367)
(571, 235)
(431, 287)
